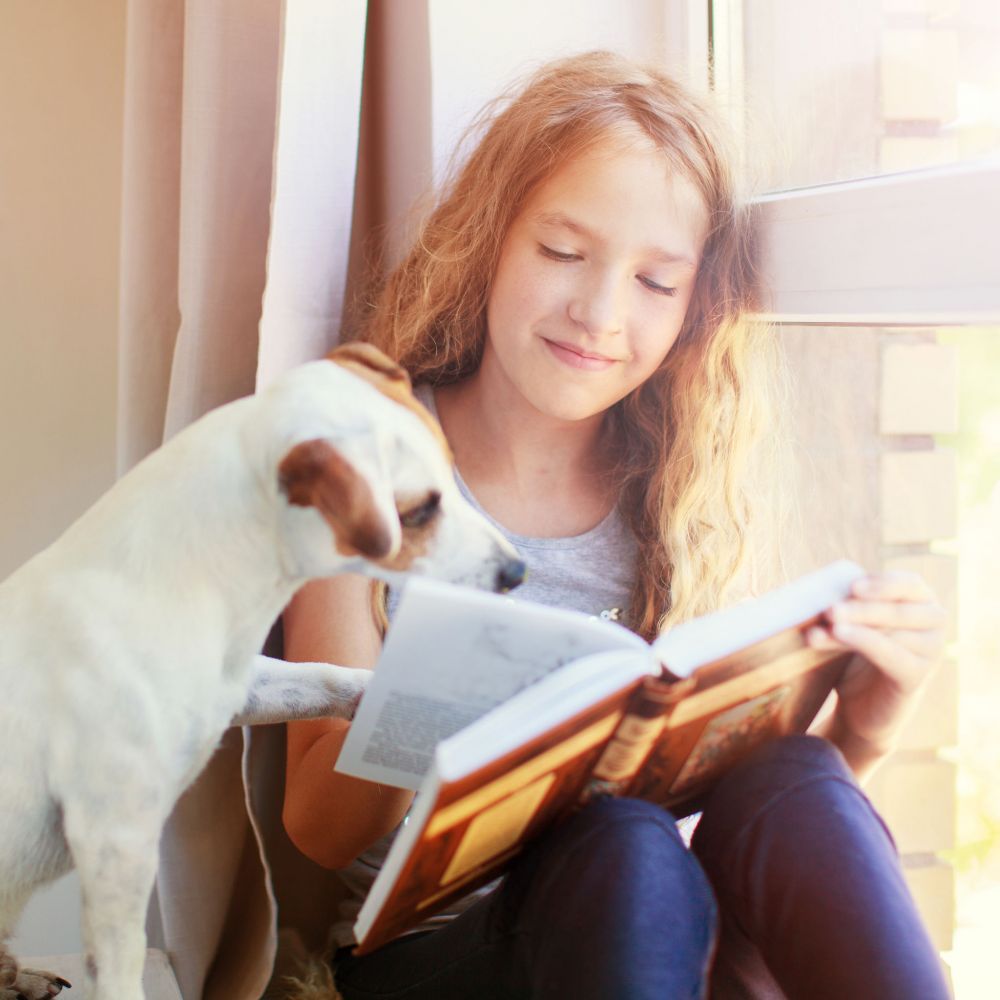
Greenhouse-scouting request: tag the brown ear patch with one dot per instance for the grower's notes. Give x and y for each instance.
(357, 352)
(368, 362)
(315, 474)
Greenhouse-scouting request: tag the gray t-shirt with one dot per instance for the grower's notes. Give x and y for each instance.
(592, 572)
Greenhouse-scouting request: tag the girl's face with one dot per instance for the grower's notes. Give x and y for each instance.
(593, 281)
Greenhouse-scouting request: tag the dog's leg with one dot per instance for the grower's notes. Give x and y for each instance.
(115, 853)
(281, 691)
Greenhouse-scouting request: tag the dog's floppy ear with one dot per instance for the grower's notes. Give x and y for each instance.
(315, 474)
(369, 363)
(370, 360)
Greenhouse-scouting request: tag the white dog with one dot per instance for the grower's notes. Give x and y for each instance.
(129, 645)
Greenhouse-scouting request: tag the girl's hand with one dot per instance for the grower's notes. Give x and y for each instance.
(894, 623)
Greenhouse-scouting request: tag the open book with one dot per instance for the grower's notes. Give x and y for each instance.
(507, 715)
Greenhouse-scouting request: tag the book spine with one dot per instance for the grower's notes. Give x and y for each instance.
(634, 737)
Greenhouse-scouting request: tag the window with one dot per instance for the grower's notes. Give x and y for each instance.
(879, 123)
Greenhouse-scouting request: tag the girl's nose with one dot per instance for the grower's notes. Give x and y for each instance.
(599, 307)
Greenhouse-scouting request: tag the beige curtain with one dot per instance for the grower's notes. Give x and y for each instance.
(240, 146)
(200, 112)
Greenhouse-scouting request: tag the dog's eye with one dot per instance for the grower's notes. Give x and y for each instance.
(418, 516)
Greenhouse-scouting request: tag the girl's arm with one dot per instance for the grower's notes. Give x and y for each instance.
(332, 817)
(894, 623)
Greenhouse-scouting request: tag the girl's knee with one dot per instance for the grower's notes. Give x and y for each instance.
(803, 755)
(632, 841)
(781, 764)
(609, 812)
(779, 784)
(630, 828)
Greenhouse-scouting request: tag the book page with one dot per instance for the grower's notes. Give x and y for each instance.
(688, 646)
(539, 709)
(450, 656)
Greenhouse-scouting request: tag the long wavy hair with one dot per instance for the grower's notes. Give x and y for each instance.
(685, 435)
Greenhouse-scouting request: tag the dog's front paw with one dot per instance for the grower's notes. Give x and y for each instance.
(344, 687)
(34, 984)
(281, 691)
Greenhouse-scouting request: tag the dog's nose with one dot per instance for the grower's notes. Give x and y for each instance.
(511, 575)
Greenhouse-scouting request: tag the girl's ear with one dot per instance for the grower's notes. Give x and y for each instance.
(315, 474)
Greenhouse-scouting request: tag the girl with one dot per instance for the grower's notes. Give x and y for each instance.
(573, 313)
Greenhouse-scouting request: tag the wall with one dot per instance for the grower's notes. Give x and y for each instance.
(61, 87)
(490, 46)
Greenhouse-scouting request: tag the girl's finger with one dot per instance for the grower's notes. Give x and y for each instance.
(891, 657)
(819, 637)
(893, 585)
(925, 644)
(888, 614)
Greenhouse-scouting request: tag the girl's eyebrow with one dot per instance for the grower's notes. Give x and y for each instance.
(558, 220)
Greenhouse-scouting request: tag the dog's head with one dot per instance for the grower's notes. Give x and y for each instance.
(365, 479)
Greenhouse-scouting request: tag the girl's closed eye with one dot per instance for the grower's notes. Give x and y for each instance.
(559, 255)
(655, 286)
(568, 257)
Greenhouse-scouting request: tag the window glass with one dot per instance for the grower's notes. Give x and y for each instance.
(838, 91)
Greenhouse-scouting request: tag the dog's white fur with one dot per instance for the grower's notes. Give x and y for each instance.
(129, 645)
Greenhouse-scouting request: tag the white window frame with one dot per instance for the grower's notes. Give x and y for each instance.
(920, 248)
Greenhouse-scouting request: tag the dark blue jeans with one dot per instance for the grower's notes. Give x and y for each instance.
(792, 888)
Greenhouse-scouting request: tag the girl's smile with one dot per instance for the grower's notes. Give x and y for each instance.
(577, 357)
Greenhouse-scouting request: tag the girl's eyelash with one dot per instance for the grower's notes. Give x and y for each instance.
(567, 258)
(557, 255)
(658, 289)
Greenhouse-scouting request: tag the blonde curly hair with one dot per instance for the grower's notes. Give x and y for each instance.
(685, 435)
